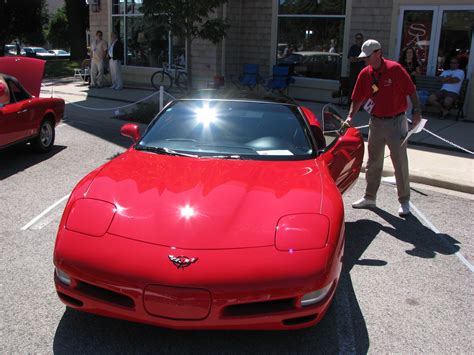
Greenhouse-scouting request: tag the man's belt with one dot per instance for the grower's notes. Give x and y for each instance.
(389, 117)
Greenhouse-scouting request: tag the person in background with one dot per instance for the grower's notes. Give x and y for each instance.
(384, 84)
(115, 61)
(98, 54)
(356, 63)
(452, 80)
(409, 61)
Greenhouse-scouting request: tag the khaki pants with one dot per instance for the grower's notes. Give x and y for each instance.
(389, 132)
(116, 73)
(97, 73)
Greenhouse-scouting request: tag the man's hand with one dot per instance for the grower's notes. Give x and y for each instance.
(415, 119)
(347, 122)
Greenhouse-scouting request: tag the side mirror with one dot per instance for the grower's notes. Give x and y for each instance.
(131, 130)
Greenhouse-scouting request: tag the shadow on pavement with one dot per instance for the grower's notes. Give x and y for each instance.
(21, 157)
(426, 243)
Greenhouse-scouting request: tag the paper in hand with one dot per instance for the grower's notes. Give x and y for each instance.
(417, 129)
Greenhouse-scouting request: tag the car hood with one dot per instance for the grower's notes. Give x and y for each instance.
(28, 71)
(204, 203)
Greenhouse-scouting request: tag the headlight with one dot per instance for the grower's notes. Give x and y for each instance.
(63, 277)
(302, 232)
(315, 296)
(91, 217)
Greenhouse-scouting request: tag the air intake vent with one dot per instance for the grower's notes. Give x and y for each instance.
(259, 308)
(105, 295)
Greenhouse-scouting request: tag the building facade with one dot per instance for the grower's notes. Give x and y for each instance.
(313, 36)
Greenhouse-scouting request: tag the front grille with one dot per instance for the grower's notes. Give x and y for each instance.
(70, 300)
(300, 320)
(104, 295)
(259, 308)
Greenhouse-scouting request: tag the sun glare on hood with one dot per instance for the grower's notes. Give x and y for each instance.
(187, 212)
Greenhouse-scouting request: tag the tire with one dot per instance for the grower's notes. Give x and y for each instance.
(182, 81)
(161, 78)
(45, 139)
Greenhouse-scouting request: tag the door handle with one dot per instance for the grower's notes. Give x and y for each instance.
(23, 111)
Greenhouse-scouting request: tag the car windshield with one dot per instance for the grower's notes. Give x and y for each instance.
(229, 130)
(41, 50)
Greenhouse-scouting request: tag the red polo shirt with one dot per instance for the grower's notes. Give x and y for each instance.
(394, 85)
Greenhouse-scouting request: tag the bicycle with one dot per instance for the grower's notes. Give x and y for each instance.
(169, 75)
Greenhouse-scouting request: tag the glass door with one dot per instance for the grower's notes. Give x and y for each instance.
(417, 33)
(437, 33)
(455, 37)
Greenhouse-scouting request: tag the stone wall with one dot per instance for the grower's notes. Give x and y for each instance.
(249, 39)
(373, 18)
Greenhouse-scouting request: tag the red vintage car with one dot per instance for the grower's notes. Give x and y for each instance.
(224, 214)
(24, 116)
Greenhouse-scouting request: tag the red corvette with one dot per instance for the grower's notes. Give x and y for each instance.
(24, 116)
(224, 214)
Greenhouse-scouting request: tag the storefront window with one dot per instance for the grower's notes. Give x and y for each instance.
(455, 39)
(417, 35)
(145, 44)
(309, 41)
(312, 7)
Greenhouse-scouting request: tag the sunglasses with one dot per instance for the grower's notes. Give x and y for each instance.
(359, 38)
(454, 63)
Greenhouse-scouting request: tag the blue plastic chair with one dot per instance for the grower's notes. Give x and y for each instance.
(280, 80)
(250, 76)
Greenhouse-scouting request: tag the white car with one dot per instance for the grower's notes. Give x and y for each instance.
(60, 53)
(37, 52)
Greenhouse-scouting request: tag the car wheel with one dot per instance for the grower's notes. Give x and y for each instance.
(45, 139)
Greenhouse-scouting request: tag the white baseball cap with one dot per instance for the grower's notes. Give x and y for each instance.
(369, 47)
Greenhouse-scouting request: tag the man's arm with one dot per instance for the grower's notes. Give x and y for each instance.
(416, 118)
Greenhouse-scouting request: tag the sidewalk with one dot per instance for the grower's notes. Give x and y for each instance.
(432, 161)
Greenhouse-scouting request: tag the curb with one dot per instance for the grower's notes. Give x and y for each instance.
(431, 181)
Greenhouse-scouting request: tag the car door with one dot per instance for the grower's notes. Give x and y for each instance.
(344, 151)
(17, 117)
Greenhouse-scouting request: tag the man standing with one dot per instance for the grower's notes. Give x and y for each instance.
(449, 93)
(116, 57)
(99, 51)
(356, 63)
(384, 85)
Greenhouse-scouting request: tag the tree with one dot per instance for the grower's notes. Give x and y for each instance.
(58, 29)
(188, 19)
(77, 13)
(22, 19)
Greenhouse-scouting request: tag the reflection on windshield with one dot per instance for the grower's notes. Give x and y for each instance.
(229, 130)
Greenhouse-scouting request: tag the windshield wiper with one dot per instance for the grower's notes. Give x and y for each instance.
(164, 150)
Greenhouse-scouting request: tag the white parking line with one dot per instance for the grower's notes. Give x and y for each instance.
(434, 229)
(45, 212)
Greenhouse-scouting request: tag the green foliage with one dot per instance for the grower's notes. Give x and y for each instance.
(60, 68)
(24, 20)
(187, 18)
(57, 33)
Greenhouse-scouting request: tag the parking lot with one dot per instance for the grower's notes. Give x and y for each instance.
(406, 285)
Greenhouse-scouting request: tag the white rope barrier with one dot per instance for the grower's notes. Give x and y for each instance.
(111, 108)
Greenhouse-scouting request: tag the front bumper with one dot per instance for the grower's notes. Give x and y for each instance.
(256, 288)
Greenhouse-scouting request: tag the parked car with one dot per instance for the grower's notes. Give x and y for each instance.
(9, 49)
(312, 64)
(225, 214)
(37, 52)
(26, 117)
(61, 53)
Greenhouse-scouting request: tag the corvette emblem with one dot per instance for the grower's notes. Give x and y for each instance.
(182, 261)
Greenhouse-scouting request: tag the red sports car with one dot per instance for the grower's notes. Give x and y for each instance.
(224, 214)
(24, 116)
